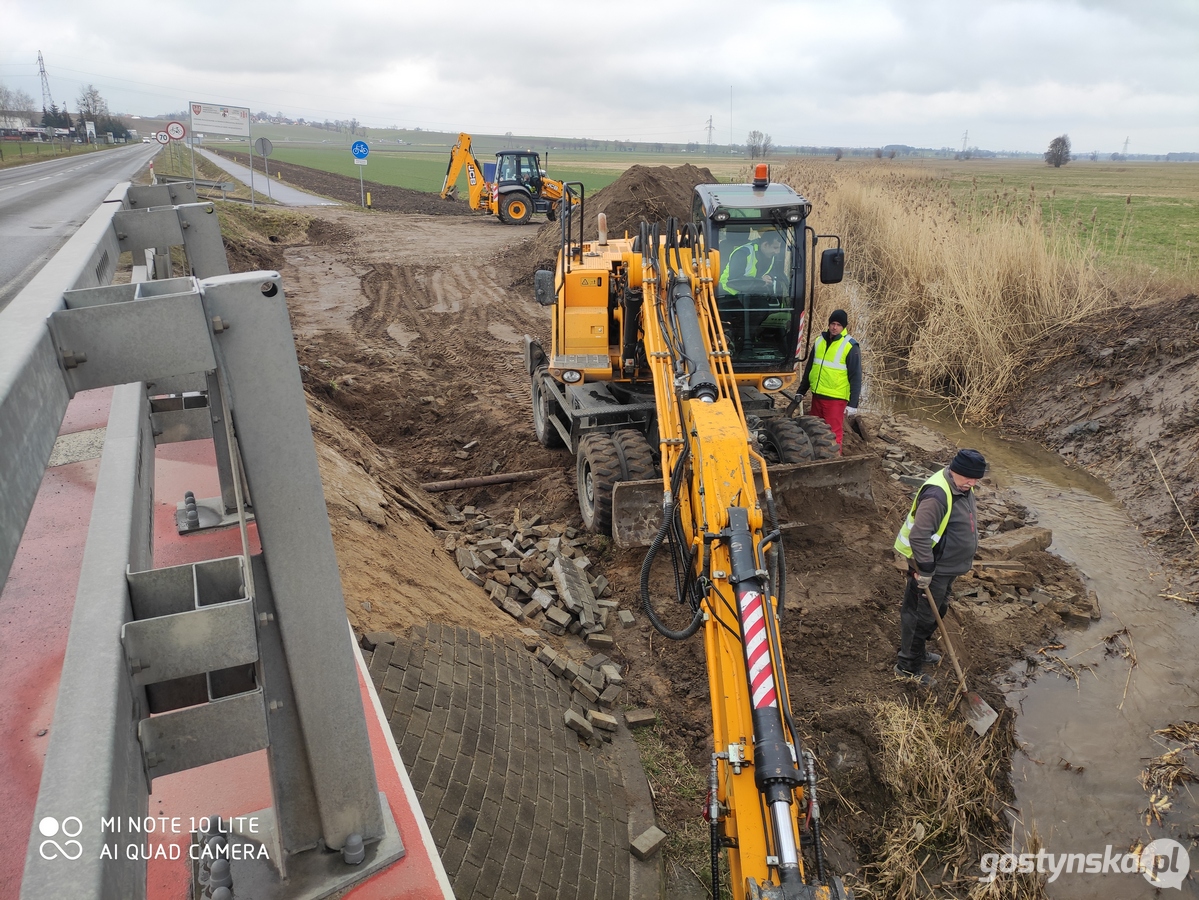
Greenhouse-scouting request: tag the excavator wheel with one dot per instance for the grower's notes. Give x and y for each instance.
(516, 209)
(605, 459)
(784, 441)
(824, 444)
(547, 434)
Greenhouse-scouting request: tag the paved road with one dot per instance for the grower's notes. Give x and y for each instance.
(42, 204)
(280, 193)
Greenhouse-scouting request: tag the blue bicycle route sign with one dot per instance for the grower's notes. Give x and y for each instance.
(360, 149)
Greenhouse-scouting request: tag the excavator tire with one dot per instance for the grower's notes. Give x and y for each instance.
(604, 460)
(824, 444)
(636, 455)
(516, 208)
(786, 441)
(547, 434)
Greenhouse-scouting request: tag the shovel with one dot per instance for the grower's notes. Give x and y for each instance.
(977, 711)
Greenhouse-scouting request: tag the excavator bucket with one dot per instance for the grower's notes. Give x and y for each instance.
(805, 494)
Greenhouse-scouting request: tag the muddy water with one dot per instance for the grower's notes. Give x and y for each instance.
(1085, 741)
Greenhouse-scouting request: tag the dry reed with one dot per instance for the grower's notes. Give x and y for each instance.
(957, 296)
(946, 785)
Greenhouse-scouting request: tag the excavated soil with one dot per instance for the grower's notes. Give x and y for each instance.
(409, 327)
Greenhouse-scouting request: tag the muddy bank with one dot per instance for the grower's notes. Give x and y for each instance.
(1117, 396)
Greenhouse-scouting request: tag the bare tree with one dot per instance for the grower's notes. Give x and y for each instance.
(15, 100)
(91, 105)
(837, 153)
(767, 145)
(753, 144)
(1058, 153)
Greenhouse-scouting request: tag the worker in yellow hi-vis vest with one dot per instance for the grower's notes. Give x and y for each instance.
(834, 374)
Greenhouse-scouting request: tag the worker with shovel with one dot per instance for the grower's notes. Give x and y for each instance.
(938, 541)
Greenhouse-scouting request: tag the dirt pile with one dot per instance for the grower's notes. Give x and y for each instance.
(1117, 395)
(652, 193)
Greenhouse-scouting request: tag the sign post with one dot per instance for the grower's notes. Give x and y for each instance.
(361, 151)
(265, 148)
(211, 118)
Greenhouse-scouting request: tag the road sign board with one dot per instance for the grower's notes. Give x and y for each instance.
(176, 131)
(360, 149)
(264, 146)
(360, 162)
(162, 137)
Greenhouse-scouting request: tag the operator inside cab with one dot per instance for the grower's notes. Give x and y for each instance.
(754, 290)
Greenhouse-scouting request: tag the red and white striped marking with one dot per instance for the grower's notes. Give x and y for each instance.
(757, 650)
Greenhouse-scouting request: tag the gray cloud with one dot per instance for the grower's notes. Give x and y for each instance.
(861, 72)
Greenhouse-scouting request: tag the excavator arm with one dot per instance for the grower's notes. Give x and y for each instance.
(462, 158)
(762, 780)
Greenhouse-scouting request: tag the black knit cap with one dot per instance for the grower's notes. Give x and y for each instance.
(839, 316)
(969, 464)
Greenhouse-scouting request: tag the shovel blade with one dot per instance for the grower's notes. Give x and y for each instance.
(978, 713)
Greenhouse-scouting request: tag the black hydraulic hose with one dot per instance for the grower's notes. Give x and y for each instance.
(714, 831)
(646, 565)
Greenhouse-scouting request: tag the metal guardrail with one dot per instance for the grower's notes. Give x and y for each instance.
(230, 655)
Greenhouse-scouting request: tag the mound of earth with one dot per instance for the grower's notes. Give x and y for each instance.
(652, 193)
(1117, 395)
(384, 197)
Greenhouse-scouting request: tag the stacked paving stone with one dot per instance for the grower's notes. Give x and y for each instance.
(536, 573)
(517, 807)
(595, 684)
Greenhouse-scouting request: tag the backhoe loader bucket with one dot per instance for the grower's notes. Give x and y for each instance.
(805, 494)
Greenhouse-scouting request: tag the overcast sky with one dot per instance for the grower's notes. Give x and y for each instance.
(853, 73)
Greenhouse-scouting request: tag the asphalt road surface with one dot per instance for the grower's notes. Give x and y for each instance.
(42, 204)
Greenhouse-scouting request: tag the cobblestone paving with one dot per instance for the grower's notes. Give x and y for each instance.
(517, 805)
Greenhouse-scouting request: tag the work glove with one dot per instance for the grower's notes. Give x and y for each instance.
(851, 410)
(922, 580)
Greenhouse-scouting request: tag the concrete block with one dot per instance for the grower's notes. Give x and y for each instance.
(638, 718)
(470, 576)
(546, 656)
(542, 597)
(610, 695)
(558, 665)
(375, 638)
(600, 585)
(627, 619)
(648, 842)
(550, 628)
(572, 586)
(512, 609)
(600, 641)
(1018, 542)
(580, 726)
(530, 609)
(601, 720)
(583, 686)
(558, 616)
(611, 672)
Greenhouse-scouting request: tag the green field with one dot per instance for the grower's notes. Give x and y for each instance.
(1143, 212)
(18, 153)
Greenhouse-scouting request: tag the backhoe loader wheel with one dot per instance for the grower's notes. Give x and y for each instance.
(516, 209)
(605, 459)
(784, 441)
(824, 444)
(547, 434)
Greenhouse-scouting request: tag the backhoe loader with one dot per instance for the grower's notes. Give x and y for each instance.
(513, 187)
(662, 381)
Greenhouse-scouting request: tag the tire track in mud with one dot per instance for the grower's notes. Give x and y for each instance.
(451, 311)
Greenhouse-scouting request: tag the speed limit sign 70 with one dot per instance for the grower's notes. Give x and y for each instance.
(163, 138)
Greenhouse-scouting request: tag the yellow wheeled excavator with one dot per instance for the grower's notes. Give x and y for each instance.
(656, 366)
(514, 187)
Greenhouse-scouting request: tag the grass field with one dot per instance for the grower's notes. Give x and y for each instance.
(19, 153)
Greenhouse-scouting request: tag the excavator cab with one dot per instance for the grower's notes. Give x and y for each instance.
(758, 230)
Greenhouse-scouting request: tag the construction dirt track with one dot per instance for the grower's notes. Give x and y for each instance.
(409, 330)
